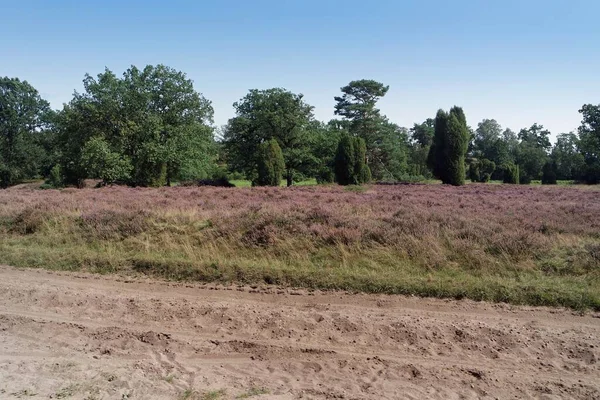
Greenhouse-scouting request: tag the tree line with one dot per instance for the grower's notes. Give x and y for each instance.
(150, 127)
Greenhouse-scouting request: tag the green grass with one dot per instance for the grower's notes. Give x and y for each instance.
(351, 269)
(252, 392)
(214, 395)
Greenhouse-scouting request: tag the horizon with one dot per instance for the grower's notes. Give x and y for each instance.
(516, 63)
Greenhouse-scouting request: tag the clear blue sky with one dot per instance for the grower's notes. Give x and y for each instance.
(519, 62)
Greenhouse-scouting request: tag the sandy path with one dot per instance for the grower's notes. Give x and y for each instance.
(90, 337)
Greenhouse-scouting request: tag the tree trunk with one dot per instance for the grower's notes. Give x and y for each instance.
(290, 181)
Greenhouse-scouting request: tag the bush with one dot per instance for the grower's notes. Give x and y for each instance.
(350, 162)
(55, 178)
(325, 175)
(344, 161)
(100, 162)
(549, 173)
(511, 173)
(220, 182)
(236, 176)
(486, 170)
(447, 153)
(270, 164)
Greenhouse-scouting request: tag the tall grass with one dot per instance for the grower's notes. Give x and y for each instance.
(519, 244)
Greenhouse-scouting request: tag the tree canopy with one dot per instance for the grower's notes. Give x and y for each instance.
(263, 115)
(150, 127)
(24, 125)
(152, 120)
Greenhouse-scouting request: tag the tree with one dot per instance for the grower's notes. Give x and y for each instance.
(536, 135)
(532, 152)
(270, 164)
(357, 106)
(481, 170)
(489, 143)
(263, 115)
(24, 121)
(344, 161)
(388, 157)
(567, 156)
(102, 163)
(153, 119)
(324, 147)
(511, 173)
(589, 137)
(362, 172)
(486, 136)
(447, 154)
(350, 161)
(549, 173)
(421, 138)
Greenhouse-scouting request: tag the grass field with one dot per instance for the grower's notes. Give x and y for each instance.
(521, 244)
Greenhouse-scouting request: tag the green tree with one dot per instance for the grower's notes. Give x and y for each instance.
(386, 142)
(421, 138)
(511, 173)
(271, 165)
(567, 156)
(481, 170)
(362, 172)
(324, 147)
(24, 123)
(489, 143)
(389, 157)
(589, 143)
(451, 140)
(549, 173)
(537, 135)
(344, 161)
(350, 161)
(532, 152)
(263, 115)
(152, 118)
(102, 163)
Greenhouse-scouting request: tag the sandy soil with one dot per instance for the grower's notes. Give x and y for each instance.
(82, 336)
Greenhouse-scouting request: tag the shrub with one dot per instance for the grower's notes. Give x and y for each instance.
(511, 173)
(270, 164)
(55, 178)
(100, 162)
(220, 182)
(486, 170)
(351, 162)
(325, 175)
(474, 172)
(344, 161)
(447, 153)
(549, 173)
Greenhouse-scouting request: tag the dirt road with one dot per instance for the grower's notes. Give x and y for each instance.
(82, 336)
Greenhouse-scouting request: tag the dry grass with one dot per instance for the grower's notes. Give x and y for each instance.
(520, 244)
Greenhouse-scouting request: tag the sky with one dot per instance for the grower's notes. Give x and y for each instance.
(518, 62)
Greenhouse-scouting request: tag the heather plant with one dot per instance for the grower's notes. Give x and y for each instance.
(412, 239)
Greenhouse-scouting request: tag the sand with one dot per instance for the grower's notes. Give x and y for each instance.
(83, 336)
